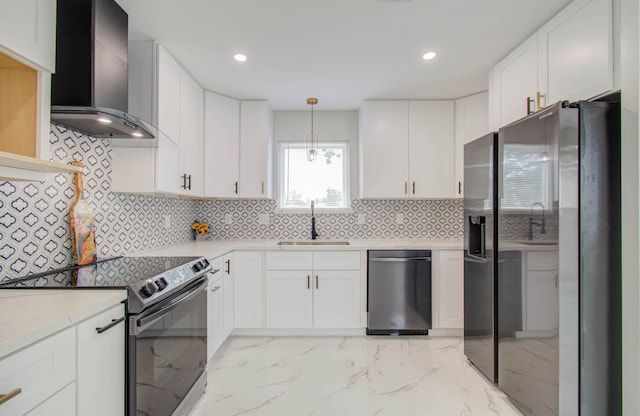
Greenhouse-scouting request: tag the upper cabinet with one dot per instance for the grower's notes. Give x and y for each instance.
(406, 149)
(28, 31)
(238, 136)
(162, 92)
(27, 58)
(569, 58)
(472, 122)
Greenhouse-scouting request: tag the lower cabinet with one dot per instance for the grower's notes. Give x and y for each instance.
(246, 269)
(541, 291)
(215, 313)
(312, 289)
(227, 297)
(447, 291)
(101, 364)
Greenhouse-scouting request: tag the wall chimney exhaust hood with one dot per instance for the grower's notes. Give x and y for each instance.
(89, 90)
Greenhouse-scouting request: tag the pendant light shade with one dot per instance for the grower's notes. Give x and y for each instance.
(312, 138)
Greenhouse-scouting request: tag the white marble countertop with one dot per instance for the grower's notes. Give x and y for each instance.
(215, 248)
(29, 315)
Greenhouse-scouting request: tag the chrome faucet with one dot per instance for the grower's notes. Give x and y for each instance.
(314, 233)
(532, 222)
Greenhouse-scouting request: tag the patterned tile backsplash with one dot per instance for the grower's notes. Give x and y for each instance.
(34, 217)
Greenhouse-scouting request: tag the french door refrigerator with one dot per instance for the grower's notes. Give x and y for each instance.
(480, 183)
(559, 314)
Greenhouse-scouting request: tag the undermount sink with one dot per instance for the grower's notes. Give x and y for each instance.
(539, 243)
(313, 243)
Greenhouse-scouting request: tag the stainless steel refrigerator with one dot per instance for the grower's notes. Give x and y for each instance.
(559, 313)
(480, 204)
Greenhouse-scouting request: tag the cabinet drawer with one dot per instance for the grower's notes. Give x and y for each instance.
(62, 403)
(39, 370)
(289, 260)
(336, 260)
(217, 264)
(542, 260)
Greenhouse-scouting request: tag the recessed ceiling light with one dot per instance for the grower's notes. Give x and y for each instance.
(105, 120)
(429, 55)
(240, 57)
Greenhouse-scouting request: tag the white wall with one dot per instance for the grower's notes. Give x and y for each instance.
(328, 125)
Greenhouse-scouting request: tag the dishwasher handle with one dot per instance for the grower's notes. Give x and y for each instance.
(400, 259)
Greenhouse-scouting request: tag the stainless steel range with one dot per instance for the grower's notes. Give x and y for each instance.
(167, 325)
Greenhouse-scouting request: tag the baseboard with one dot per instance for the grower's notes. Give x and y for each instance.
(446, 332)
(304, 332)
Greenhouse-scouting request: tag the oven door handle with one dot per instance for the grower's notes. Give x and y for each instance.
(145, 319)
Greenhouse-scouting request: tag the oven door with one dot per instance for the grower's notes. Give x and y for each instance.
(167, 352)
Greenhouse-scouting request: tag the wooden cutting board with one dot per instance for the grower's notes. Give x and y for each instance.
(83, 237)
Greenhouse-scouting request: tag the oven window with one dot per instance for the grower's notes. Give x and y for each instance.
(171, 354)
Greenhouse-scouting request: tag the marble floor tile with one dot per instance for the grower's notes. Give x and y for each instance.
(354, 376)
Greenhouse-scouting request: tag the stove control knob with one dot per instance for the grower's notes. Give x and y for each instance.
(161, 283)
(198, 266)
(148, 289)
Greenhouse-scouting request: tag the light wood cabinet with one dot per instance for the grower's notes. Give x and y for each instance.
(313, 289)
(248, 305)
(101, 364)
(414, 142)
(447, 289)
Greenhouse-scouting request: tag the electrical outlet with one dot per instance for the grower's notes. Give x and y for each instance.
(361, 219)
(263, 219)
(399, 218)
(228, 219)
(167, 221)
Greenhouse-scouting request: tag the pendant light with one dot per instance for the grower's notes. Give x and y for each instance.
(312, 138)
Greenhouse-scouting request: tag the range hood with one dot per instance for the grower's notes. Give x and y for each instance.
(89, 90)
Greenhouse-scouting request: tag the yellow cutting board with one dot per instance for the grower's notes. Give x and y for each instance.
(83, 230)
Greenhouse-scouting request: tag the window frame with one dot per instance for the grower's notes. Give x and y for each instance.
(281, 145)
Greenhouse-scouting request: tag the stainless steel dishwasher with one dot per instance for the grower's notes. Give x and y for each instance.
(399, 292)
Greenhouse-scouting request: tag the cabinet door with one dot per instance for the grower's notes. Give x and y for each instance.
(289, 299)
(227, 302)
(168, 170)
(61, 403)
(221, 147)
(450, 289)
(28, 31)
(101, 364)
(576, 52)
(471, 122)
(192, 134)
(542, 300)
(431, 148)
(516, 78)
(384, 149)
(215, 320)
(336, 299)
(255, 149)
(248, 304)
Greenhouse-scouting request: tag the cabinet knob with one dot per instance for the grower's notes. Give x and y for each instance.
(13, 393)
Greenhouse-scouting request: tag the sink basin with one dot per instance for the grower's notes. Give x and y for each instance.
(313, 243)
(538, 243)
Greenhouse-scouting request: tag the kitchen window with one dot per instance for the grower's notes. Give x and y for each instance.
(324, 180)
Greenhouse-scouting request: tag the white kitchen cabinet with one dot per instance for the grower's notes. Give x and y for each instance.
(42, 370)
(28, 31)
(576, 52)
(471, 122)
(431, 149)
(413, 141)
(447, 289)
(163, 93)
(228, 297)
(384, 149)
(313, 289)
(215, 314)
(256, 132)
(222, 145)
(541, 291)
(248, 305)
(101, 364)
(61, 403)
(514, 84)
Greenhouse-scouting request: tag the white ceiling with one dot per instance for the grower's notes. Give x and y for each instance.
(341, 51)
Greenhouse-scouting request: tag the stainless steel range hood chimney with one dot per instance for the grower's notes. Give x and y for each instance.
(89, 91)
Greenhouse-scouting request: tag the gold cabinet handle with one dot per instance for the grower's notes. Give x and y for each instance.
(6, 397)
(538, 99)
(262, 187)
(406, 186)
(215, 289)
